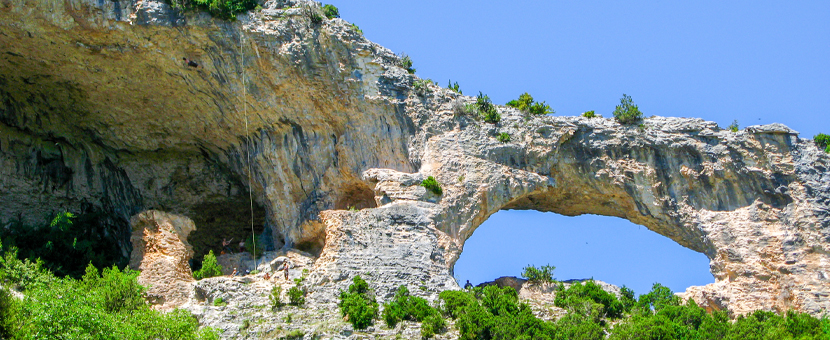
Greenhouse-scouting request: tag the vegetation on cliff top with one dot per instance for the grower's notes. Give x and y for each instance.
(527, 104)
(627, 112)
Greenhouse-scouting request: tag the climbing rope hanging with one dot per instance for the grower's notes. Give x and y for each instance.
(247, 143)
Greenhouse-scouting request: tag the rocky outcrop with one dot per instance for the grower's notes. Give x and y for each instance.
(99, 113)
(161, 253)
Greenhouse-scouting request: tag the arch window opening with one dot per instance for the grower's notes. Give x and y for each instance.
(604, 248)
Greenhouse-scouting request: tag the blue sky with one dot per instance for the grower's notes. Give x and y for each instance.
(756, 62)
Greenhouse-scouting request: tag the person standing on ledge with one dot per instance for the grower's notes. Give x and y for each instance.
(285, 268)
(468, 285)
(242, 246)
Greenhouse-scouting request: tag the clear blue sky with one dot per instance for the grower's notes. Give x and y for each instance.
(757, 62)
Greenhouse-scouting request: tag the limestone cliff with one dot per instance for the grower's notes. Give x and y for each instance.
(100, 113)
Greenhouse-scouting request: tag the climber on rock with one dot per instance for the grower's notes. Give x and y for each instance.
(242, 246)
(226, 245)
(285, 268)
(190, 63)
(468, 285)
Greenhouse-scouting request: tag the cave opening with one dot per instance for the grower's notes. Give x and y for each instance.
(604, 248)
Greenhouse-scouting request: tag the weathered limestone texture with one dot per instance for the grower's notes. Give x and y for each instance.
(161, 252)
(99, 113)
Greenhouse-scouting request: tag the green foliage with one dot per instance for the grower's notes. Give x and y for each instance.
(95, 307)
(581, 297)
(525, 103)
(357, 29)
(296, 296)
(432, 185)
(734, 126)
(627, 112)
(454, 87)
(504, 137)
(219, 302)
(589, 114)
(210, 267)
(822, 141)
(358, 304)
(276, 301)
(313, 14)
(421, 86)
(67, 244)
(23, 274)
(406, 63)
(658, 298)
(407, 307)
(330, 11)
(223, 9)
(486, 110)
(543, 274)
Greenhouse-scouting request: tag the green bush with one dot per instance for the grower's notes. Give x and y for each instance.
(822, 141)
(658, 298)
(504, 137)
(296, 296)
(223, 9)
(330, 11)
(627, 112)
(358, 305)
(8, 314)
(407, 307)
(525, 103)
(219, 302)
(67, 244)
(276, 301)
(94, 307)
(432, 185)
(734, 127)
(210, 267)
(486, 110)
(589, 114)
(543, 274)
(578, 294)
(421, 86)
(357, 29)
(454, 87)
(406, 63)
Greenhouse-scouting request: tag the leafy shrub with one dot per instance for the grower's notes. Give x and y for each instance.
(406, 307)
(525, 103)
(223, 9)
(67, 244)
(95, 307)
(627, 112)
(486, 110)
(276, 301)
(504, 137)
(358, 305)
(330, 11)
(589, 114)
(658, 298)
(210, 267)
(357, 29)
(23, 274)
(579, 293)
(219, 302)
(8, 314)
(296, 296)
(406, 63)
(734, 126)
(822, 141)
(454, 87)
(543, 274)
(432, 185)
(421, 86)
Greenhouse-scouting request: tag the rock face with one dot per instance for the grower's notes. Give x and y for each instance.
(98, 113)
(161, 252)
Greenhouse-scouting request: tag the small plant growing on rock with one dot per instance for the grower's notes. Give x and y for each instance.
(406, 63)
(454, 87)
(314, 15)
(525, 103)
(543, 274)
(734, 126)
(822, 142)
(432, 185)
(358, 304)
(276, 302)
(219, 302)
(357, 29)
(504, 137)
(589, 114)
(330, 11)
(412, 308)
(296, 296)
(210, 267)
(627, 112)
(421, 86)
(486, 109)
